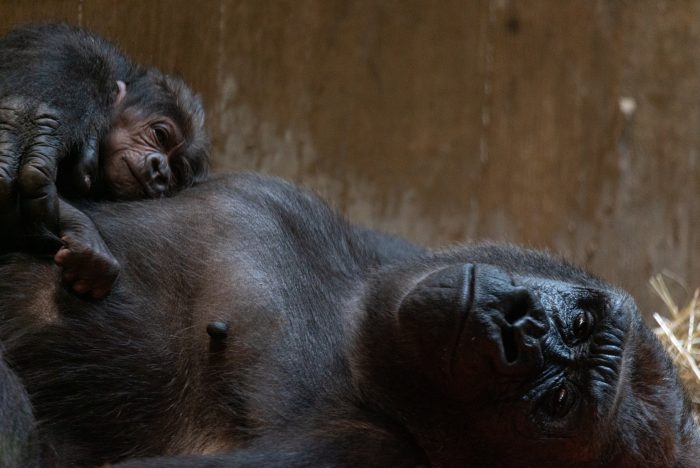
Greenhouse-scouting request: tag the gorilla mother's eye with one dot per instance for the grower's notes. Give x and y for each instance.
(583, 325)
(560, 401)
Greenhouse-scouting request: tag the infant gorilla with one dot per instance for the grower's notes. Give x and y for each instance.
(78, 115)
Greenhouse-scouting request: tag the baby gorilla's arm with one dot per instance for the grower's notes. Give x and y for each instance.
(88, 265)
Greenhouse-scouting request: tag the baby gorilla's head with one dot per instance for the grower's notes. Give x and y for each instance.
(157, 144)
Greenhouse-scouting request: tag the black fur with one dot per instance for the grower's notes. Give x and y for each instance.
(58, 105)
(69, 76)
(344, 346)
(18, 446)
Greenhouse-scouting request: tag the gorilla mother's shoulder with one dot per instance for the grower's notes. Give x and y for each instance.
(252, 325)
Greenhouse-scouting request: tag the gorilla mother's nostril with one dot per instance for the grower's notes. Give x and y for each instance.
(510, 347)
(516, 304)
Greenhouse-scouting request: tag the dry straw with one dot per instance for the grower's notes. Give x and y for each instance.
(679, 331)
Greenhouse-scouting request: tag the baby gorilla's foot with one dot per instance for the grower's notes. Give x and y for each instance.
(88, 267)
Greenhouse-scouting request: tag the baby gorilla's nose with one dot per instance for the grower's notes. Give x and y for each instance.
(158, 173)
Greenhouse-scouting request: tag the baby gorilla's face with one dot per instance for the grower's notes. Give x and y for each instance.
(156, 144)
(137, 154)
(509, 368)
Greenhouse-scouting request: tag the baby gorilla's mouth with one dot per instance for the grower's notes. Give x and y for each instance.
(146, 190)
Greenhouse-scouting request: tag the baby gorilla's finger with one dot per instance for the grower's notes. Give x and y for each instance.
(99, 293)
(69, 276)
(61, 256)
(81, 286)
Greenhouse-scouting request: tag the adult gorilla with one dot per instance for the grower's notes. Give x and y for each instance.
(265, 330)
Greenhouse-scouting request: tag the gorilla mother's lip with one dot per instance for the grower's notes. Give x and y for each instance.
(465, 305)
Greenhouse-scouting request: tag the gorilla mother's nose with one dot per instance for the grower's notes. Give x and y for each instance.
(461, 311)
(509, 318)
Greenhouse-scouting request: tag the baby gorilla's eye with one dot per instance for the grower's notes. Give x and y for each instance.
(583, 325)
(161, 135)
(561, 400)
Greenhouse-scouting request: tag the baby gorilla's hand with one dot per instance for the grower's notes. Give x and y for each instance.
(88, 266)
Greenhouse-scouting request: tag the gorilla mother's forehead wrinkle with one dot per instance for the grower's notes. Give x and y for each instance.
(622, 379)
(614, 352)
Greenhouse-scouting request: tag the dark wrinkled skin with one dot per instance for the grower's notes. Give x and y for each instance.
(267, 331)
(79, 120)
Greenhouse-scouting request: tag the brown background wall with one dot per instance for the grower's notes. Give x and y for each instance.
(572, 125)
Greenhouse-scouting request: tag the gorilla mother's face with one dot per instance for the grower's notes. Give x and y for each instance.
(505, 367)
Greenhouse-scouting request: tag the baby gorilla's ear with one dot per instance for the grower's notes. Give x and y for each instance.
(121, 93)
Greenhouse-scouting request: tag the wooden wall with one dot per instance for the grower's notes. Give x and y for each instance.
(572, 125)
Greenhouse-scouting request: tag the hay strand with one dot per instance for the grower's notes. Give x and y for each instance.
(679, 331)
